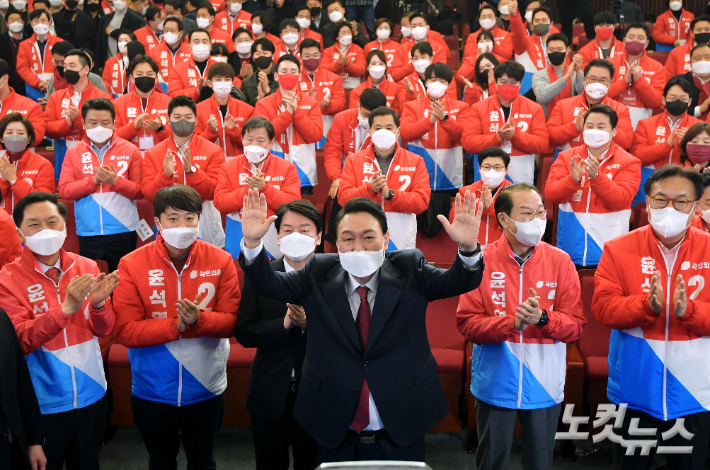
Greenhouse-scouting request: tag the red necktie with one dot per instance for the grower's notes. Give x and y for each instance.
(53, 274)
(362, 413)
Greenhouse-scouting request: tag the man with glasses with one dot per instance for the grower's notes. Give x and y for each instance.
(593, 185)
(649, 288)
(525, 310)
(566, 122)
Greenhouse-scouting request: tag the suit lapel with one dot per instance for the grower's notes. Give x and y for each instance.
(389, 290)
(336, 297)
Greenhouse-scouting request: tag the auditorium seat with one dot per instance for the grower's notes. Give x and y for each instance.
(72, 241)
(47, 153)
(659, 56)
(544, 166)
(639, 216)
(437, 250)
(119, 380)
(583, 41)
(238, 374)
(321, 190)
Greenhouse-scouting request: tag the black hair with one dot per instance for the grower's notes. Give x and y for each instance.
(141, 59)
(220, 69)
(604, 17)
(198, 30)
(302, 207)
(309, 42)
(510, 68)
(181, 100)
(439, 70)
(361, 204)
(265, 18)
(639, 26)
(288, 22)
(488, 7)
(37, 13)
(543, 9)
(17, 117)
(671, 170)
(289, 58)
(692, 132)
(151, 12)
(176, 4)
(5, 68)
(258, 122)
(176, 20)
(62, 48)
(83, 58)
(698, 46)
(13, 11)
(134, 49)
(42, 2)
(681, 82)
(706, 179)
(485, 34)
(423, 47)
(418, 14)
(383, 111)
(602, 63)
(339, 2)
(605, 109)
(504, 201)
(18, 213)
(372, 98)
(302, 7)
(558, 37)
(266, 45)
(239, 31)
(98, 104)
(127, 32)
(493, 152)
(374, 53)
(492, 59)
(208, 6)
(180, 197)
(219, 48)
(340, 25)
(697, 20)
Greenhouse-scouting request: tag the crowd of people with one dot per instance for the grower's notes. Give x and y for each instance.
(216, 109)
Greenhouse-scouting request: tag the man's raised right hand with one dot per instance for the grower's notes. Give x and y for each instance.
(255, 222)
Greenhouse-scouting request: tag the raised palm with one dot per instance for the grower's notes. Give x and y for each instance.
(467, 222)
(255, 220)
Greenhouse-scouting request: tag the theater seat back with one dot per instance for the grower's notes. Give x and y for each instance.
(440, 249)
(72, 241)
(441, 324)
(594, 341)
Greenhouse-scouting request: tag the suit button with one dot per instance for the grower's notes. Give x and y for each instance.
(354, 390)
(365, 363)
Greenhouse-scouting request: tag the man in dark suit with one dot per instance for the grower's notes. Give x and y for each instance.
(369, 388)
(319, 16)
(278, 331)
(109, 31)
(20, 419)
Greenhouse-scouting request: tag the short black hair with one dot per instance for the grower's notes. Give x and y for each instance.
(141, 59)
(488, 7)
(706, 179)
(671, 170)
(638, 25)
(289, 22)
(297, 10)
(383, 111)
(176, 4)
(289, 58)
(128, 32)
(17, 117)
(309, 42)
(485, 34)
(361, 204)
(37, 13)
(43, 2)
(62, 48)
(605, 109)
(339, 2)
(697, 20)
(198, 30)
(374, 53)
(219, 48)
(265, 18)
(423, 47)
(299, 206)
(681, 82)
(604, 17)
(208, 6)
(558, 37)
(543, 9)
(266, 45)
(239, 31)
(504, 201)
(220, 69)
(418, 14)
(151, 12)
(83, 58)
(258, 122)
(493, 152)
(439, 70)
(18, 213)
(5, 68)
(98, 104)
(602, 63)
(510, 68)
(180, 197)
(698, 46)
(175, 20)
(372, 98)
(13, 11)
(181, 100)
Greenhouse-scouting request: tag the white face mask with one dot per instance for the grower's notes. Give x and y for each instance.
(19, 4)
(125, 61)
(706, 215)
(290, 38)
(383, 34)
(596, 91)
(160, 26)
(171, 38)
(335, 16)
(99, 135)
(421, 65)
(406, 32)
(304, 23)
(528, 16)
(257, 28)
(235, 8)
(668, 222)
(220, 59)
(363, 121)
(55, 3)
(119, 5)
(122, 46)
(675, 6)
(222, 89)
(384, 139)
(255, 154)
(40, 29)
(487, 24)
(377, 71)
(486, 46)
(504, 10)
(203, 22)
(492, 177)
(244, 48)
(200, 52)
(595, 138)
(436, 89)
(345, 40)
(179, 237)
(701, 68)
(419, 33)
(46, 242)
(4, 4)
(16, 27)
(362, 263)
(297, 246)
(529, 233)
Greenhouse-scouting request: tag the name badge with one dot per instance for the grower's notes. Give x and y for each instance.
(144, 231)
(145, 142)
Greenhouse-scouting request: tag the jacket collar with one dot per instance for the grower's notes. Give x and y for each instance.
(29, 260)
(162, 252)
(506, 252)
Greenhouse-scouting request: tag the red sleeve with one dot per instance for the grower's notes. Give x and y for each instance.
(175, 86)
(71, 185)
(202, 129)
(647, 150)
(659, 33)
(10, 246)
(567, 319)
(618, 193)
(697, 317)
(280, 122)
(355, 96)
(624, 130)
(536, 139)
(651, 93)
(57, 125)
(153, 178)
(221, 320)
(289, 190)
(44, 181)
(356, 68)
(670, 65)
(400, 99)
(415, 199)
(471, 48)
(205, 180)
(349, 187)
(466, 70)
(504, 49)
(337, 98)
(479, 328)
(412, 128)
(328, 62)
(401, 66)
(618, 85)
(334, 150)
(560, 186)
(476, 137)
(35, 116)
(454, 127)
(308, 123)
(23, 65)
(130, 186)
(228, 198)
(560, 132)
(518, 34)
(102, 320)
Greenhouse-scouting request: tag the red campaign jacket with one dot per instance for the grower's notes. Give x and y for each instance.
(356, 60)
(407, 177)
(644, 93)
(281, 186)
(34, 173)
(502, 44)
(420, 92)
(29, 62)
(16, 103)
(282, 50)
(325, 80)
(114, 75)
(389, 47)
(310, 34)
(307, 121)
(431, 36)
(563, 131)
(57, 123)
(593, 50)
(489, 231)
(182, 78)
(530, 51)
(394, 93)
(402, 63)
(649, 144)
(148, 38)
(207, 158)
(341, 142)
(486, 117)
(416, 124)
(10, 246)
(468, 68)
(229, 140)
(221, 36)
(166, 60)
(219, 5)
(129, 107)
(699, 223)
(223, 21)
(678, 61)
(477, 93)
(668, 30)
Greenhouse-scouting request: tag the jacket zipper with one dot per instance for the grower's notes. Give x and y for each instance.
(179, 359)
(436, 153)
(522, 349)
(586, 235)
(669, 273)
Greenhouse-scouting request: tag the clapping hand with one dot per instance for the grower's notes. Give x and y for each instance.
(655, 293)
(102, 287)
(188, 312)
(528, 312)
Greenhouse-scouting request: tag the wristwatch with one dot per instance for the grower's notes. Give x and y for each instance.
(468, 254)
(543, 320)
(192, 169)
(390, 195)
(446, 117)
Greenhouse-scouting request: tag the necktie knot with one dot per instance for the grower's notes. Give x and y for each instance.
(53, 274)
(362, 292)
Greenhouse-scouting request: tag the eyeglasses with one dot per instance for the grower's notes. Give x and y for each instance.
(489, 168)
(528, 215)
(661, 202)
(603, 81)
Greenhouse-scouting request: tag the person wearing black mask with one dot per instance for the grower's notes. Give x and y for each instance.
(319, 17)
(561, 78)
(261, 83)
